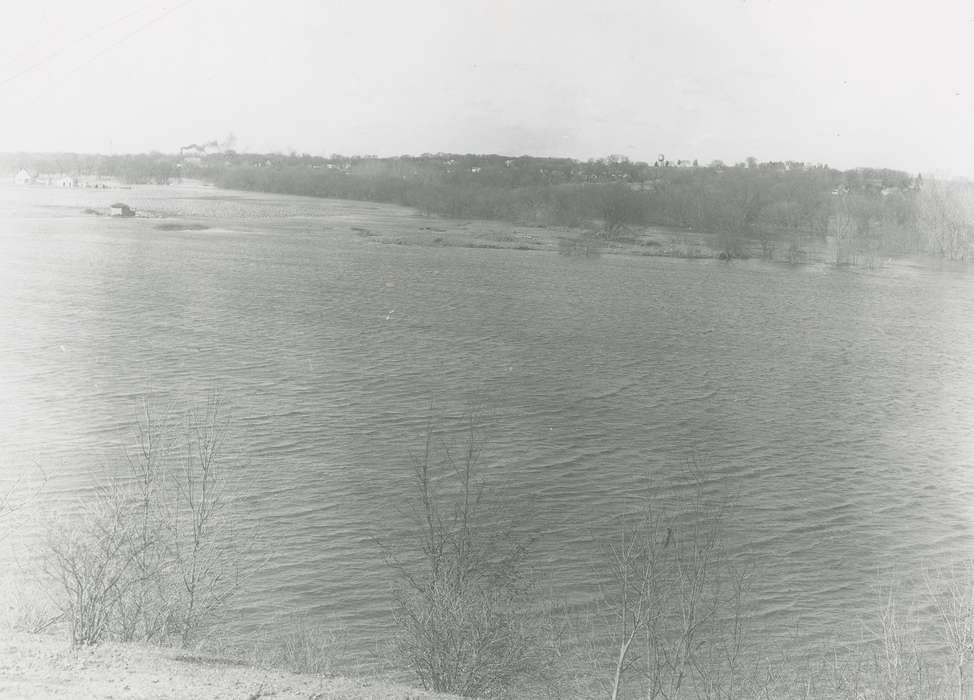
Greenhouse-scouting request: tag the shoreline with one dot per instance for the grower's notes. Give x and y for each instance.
(43, 665)
(386, 223)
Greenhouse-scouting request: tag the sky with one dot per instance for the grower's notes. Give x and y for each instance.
(852, 83)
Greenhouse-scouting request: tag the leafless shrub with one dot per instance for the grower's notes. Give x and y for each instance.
(891, 660)
(94, 562)
(899, 668)
(583, 246)
(206, 560)
(945, 211)
(678, 605)
(463, 624)
(145, 612)
(306, 648)
(153, 556)
(951, 591)
(22, 605)
(888, 663)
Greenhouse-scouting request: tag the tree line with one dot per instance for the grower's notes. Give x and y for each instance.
(777, 209)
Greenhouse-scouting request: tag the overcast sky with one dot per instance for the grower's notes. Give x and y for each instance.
(882, 83)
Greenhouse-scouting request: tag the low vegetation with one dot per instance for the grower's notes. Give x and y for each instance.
(152, 555)
(462, 615)
(678, 604)
(676, 607)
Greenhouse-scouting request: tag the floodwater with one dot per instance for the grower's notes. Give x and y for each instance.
(834, 407)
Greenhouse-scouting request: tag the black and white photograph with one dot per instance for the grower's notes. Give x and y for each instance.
(517, 349)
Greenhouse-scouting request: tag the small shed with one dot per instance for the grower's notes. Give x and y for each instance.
(119, 209)
(23, 177)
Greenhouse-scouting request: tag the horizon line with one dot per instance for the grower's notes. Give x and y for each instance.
(295, 154)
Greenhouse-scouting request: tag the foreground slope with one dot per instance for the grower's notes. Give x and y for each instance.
(45, 666)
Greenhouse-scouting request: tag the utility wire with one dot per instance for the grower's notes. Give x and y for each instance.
(57, 52)
(142, 27)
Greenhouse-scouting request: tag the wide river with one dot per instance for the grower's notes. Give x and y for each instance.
(834, 406)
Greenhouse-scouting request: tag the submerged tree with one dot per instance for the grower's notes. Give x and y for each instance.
(946, 216)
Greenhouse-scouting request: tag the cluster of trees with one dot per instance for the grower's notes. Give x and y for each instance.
(775, 209)
(945, 216)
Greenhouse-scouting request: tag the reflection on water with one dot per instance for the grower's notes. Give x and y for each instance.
(834, 406)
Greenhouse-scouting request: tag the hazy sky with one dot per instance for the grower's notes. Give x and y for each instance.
(847, 83)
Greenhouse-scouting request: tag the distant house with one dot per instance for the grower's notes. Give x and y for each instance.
(67, 182)
(23, 177)
(119, 209)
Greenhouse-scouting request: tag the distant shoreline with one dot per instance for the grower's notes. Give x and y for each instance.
(437, 231)
(788, 211)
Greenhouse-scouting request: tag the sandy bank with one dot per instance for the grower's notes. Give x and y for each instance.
(45, 666)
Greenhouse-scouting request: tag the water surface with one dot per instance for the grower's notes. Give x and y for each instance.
(834, 406)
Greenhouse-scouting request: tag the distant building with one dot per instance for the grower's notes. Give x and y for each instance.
(119, 209)
(67, 182)
(23, 177)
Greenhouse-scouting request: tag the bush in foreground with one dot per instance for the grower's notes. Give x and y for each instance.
(677, 602)
(462, 619)
(680, 606)
(151, 557)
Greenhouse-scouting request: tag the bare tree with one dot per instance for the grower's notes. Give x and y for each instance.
(946, 216)
(205, 555)
(679, 606)
(618, 206)
(952, 592)
(143, 614)
(94, 561)
(463, 625)
(154, 557)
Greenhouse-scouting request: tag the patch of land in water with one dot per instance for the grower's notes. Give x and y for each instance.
(181, 227)
(654, 241)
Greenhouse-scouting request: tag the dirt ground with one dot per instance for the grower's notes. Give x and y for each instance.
(45, 666)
